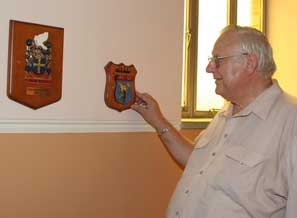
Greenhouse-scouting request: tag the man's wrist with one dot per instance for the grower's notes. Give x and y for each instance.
(162, 131)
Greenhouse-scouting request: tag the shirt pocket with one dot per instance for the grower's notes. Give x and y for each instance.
(239, 169)
(243, 156)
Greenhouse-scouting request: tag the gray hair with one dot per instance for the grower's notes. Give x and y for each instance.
(255, 42)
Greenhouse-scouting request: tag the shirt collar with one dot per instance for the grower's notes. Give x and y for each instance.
(226, 111)
(260, 106)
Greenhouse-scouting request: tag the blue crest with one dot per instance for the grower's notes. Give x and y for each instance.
(123, 91)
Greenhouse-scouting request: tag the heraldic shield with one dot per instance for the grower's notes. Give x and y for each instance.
(120, 86)
(35, 64)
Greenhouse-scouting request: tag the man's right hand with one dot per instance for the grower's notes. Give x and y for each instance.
(149, 109)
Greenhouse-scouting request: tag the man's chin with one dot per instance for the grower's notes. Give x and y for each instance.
(219, 92)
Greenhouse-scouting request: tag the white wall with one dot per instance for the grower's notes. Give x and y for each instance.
(145, 33)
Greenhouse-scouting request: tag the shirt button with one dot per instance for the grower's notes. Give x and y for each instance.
(201, 172)
(176, 213)
(213, 154)
(187, 191)
(225, 135)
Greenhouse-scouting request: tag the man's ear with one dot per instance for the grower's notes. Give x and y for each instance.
(252, 63)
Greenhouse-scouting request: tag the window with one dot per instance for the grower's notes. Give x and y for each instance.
(203, 21)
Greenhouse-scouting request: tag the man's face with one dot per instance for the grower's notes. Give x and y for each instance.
(229, 73)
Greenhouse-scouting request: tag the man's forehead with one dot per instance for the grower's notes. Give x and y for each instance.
(227, 41)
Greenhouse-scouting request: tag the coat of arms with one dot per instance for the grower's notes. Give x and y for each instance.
(35, 63)
(38, 55)
(120, 86)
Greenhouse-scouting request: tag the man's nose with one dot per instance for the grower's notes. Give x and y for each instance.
(210, 67)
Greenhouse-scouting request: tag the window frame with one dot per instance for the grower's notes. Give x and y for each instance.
(189, 113)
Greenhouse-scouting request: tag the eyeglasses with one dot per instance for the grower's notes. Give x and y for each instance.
(217, 59)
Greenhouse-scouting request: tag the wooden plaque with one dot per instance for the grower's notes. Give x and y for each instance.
(35, 63)
(120, 86)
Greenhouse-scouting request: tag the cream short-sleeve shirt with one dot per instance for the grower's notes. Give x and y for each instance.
(243, 166)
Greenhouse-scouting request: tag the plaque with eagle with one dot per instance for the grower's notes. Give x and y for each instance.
(120, 91)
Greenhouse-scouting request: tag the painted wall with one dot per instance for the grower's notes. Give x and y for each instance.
(282, 34)
(84, 175)
(108, 175)
(147, 34)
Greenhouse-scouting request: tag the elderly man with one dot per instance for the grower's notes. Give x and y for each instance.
(244, 164)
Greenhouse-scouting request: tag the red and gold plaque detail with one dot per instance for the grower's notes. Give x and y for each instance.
(120, 91)
(35, 64)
